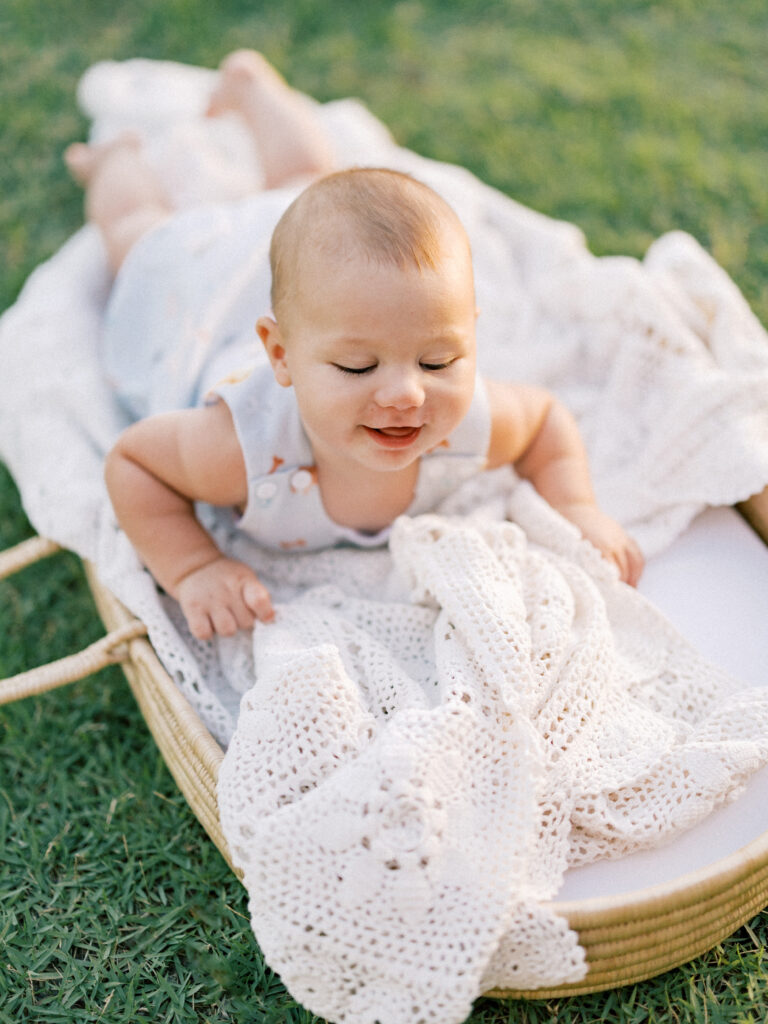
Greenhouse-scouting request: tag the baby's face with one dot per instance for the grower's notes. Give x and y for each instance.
(382, 360)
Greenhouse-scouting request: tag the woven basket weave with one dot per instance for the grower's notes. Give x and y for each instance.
(193, 756)
(627, 938)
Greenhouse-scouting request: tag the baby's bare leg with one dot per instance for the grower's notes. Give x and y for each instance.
(290, 139)
(123, 196)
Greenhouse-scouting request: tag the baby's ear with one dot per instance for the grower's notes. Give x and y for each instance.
(269, 332)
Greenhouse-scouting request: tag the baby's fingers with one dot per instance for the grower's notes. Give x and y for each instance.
(630, 562)
(636, 563)
(199, 622)
(257, 600)
(226, 620)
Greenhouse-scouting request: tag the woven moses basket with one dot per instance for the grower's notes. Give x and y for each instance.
(628, 938)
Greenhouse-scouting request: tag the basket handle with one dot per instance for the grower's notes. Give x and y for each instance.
(109, 650)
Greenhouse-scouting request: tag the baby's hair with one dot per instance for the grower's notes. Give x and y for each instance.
(370, 213)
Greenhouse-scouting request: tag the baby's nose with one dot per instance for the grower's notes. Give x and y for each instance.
(400, 389)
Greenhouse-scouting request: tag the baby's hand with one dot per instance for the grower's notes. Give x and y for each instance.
(222, 597)
(609, 538)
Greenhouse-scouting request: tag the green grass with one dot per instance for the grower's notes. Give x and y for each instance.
(629, 118)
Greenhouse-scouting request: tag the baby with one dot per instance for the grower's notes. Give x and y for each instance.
(369, 407)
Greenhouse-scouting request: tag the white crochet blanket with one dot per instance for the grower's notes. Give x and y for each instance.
(430, 735)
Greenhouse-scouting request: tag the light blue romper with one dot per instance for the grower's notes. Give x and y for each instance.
(284, 509)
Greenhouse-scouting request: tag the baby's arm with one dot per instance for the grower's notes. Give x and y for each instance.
(536, 433)
(158, 468)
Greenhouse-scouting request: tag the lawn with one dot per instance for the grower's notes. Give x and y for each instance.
(629, 118)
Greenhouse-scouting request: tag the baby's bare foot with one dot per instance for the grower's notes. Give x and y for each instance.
(242, 76)
(82, 158)
(283, 122)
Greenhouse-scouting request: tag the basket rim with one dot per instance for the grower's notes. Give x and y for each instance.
(683, 890)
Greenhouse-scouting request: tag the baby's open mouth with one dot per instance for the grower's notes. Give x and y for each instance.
(394, 437)
(396, 431)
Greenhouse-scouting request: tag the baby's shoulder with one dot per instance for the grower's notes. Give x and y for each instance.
(266, 421)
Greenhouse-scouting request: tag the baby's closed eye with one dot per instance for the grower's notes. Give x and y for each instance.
(428, 366)
(356, 370)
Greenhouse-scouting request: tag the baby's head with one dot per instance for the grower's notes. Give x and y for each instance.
(365, 215)
(374, 313)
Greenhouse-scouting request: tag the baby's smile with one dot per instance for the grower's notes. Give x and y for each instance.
(394, 437)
